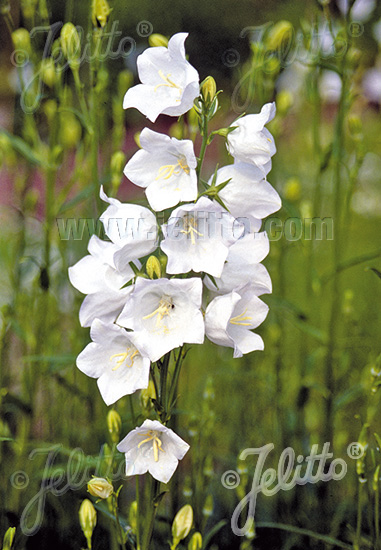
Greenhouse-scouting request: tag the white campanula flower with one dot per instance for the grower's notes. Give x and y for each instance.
(251, 142)
(169, 82)
(198, 237)
(247, 194)
(153, 448)
(132, 228)
(230, 318)
(243, 266)
(96, 276)
(166, 167)
(164, 314)
(113, 358)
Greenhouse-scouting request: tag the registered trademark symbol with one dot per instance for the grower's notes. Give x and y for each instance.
(355, 450)
(356, 29)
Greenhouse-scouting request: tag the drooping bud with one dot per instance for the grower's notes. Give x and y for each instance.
(156, 40)
(99, 487)
(21, 40)
(8, 538)
(153, 267)
(114, 425)
(100, 12)
(71, 45)
(87, 519)
(195, 542)
(181, 525)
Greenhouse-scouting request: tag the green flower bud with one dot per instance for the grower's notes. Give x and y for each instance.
(207, 510)
(100, 487)
(156, 40)
(355, 125)
(292, 189)
(208, 89)
(100, 12)
(125, 81)
(153, 267)
(195, 542)
(28, 8)
(48, 72)
(21, 40)
(70, 132)
(181, 525)
(133, 515)
(284, 102)
(147, 395)
(50, 108)
(71, 45)
(280, 35)
(87, 519)
(114, 425)
(176, 130)
(8, 538)
(117, 163)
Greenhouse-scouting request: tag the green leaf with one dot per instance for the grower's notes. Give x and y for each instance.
(212, 532)
(82, 196)
(24, 149)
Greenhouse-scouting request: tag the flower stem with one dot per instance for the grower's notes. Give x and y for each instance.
(204, 132)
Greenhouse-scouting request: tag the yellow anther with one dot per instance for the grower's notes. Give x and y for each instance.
(123, 357)
(156, 443)
(190, 225)
(240, 319)
(168, 170)
(165, 306)
(167, 82)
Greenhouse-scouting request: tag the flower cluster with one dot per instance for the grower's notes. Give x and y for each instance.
(152, 288)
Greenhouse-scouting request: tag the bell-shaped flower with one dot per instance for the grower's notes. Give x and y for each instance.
(169, 82)
(251, 142)
(164, 314)
(243, 266)
(247, 194)
(198, 237)
(166, 167)
(96, 276)
(230, 318)
(113, 358)
(153, 448)
(132, 228)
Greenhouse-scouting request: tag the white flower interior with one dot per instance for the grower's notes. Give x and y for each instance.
(152, 435)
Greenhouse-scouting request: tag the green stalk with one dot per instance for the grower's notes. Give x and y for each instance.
(137, 512)
(204, 132)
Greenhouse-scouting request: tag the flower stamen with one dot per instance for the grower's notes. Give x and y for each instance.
(156, 443)
(123, 357)
(168, 170)
(240, 319)
(167, 82)
(165, 306)
(190, 225)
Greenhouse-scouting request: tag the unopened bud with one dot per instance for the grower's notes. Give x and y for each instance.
(28, 8)
(100, 487)
(284, 102)
(133, 515)
(8, 538)
(125, 81)
(114, 425)
(182, 524)
(137, 139)
(292, 189)
(100, 12)
(48, 72)
(195, 542)
(355, 125)
(376, 479)
(207, 510)
(117, 163)
(87, 519)
(70, 131)
(147, 395)
(280, 36)
(176, 130)
(21, 40)
(156, 40)
(208, 89)
(50, 109)
(71, 45)
(153, 267)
